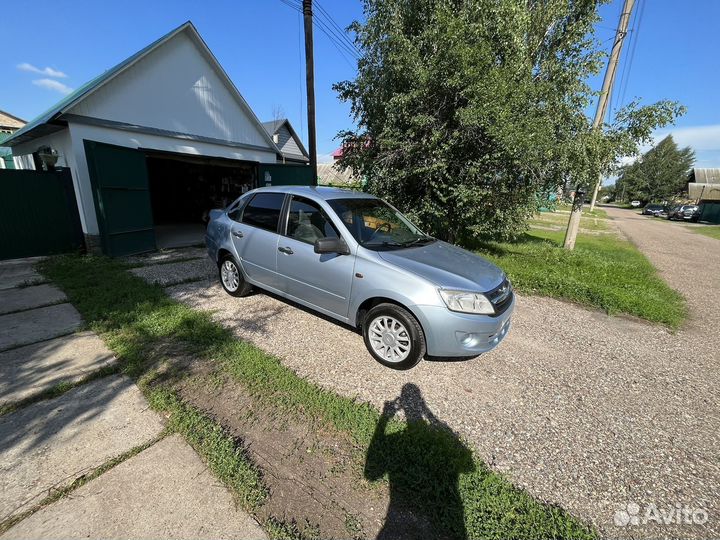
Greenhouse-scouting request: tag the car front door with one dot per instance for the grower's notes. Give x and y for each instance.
(255, 238)
(322, 280)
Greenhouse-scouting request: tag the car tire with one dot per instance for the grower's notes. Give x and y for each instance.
(404, 345)
(232, 278)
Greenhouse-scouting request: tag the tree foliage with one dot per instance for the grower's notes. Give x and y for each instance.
(658, 175)
(466, 110)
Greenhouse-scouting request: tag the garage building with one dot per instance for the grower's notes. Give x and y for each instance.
(153, 144)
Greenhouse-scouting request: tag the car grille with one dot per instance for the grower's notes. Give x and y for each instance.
(501, 297)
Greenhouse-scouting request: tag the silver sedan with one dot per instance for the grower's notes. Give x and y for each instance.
(355, 258)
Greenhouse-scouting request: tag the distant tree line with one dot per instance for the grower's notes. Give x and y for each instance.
(660, 174)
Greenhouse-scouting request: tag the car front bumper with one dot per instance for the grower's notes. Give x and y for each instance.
(452, 334)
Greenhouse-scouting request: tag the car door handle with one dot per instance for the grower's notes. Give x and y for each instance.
(285, 250)
(238, 234)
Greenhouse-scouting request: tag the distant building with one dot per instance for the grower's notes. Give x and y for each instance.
(8, 124)
(704, 187)
(287, 140)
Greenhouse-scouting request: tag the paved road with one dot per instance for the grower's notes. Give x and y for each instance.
(584, 410)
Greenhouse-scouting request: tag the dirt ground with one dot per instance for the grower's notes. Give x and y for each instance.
(590, 412)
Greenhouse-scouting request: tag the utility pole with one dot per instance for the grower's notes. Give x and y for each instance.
(600, 113)
(310, 83)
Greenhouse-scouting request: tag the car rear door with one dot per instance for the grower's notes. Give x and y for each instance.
(255, 238)
(321, 280)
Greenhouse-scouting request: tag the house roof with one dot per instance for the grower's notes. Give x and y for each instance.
(705, 176)
(51, 120)
(273, 126)
(10, 121)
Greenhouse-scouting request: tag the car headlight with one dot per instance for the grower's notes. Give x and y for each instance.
(467, 302)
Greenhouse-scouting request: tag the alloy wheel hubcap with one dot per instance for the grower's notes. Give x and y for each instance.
(230, 276)
(389, 339)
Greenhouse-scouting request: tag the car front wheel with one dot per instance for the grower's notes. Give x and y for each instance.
(232, 278)
(393, 336)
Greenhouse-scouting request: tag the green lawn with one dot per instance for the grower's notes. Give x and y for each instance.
(603, 271)
(588, 222)
(136, 318)
(713, 231)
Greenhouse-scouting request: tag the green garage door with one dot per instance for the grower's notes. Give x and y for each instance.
(122, 198)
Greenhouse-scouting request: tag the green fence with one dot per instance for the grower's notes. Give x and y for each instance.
(38, 214)
(280, 174)
(710, 211)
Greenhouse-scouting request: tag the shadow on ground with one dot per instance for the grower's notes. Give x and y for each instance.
(423, 467)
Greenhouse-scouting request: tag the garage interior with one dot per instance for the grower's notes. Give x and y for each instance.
(183, 190)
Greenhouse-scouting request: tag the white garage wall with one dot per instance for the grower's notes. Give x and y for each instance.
(129, 139)
(174, 88)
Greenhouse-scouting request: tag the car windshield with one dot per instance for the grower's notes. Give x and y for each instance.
(376, 225)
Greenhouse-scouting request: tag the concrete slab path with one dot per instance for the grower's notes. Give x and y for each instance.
(49, 444)
(32, 369)
(36, 325)
(18, 272)
(166, 491)
(29, 297)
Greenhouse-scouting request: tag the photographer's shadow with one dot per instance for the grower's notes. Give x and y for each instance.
(423, 460)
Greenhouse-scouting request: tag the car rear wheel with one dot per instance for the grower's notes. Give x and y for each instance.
(393, 336)
(232, 278)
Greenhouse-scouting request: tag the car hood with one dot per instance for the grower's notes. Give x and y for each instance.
(447, 266)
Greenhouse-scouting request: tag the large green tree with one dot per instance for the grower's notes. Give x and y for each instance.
(467, 110)
(658, 175)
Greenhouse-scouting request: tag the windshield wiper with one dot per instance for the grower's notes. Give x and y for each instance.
(384, 243)
(418, 240)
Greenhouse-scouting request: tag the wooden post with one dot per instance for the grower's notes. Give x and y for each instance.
(310, 83)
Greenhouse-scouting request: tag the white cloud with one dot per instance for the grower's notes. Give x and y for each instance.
(696, 137)
(704, 140)
(48, 71)
(325, 158)
(52, 84)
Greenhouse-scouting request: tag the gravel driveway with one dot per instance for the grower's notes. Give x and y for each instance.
(584, 410)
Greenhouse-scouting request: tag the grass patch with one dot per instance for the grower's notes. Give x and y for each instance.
(223, 454)
(603, 271)
(597, 212)
(428, 467)
(588, 223)
(713, 231)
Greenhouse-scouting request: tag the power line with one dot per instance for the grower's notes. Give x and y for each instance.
(347, 52)
(338, 29)
(624, 81)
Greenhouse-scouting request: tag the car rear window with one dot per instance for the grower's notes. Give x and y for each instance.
(263, 211)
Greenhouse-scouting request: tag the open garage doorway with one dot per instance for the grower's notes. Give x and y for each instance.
(183, 190)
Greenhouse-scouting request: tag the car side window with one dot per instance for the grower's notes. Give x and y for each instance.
(235, 213)
(307, 222)
(263, 211)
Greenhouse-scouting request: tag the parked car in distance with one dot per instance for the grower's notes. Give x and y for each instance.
(635, 204)
(355, 258)
(686, 212)
(653, 209)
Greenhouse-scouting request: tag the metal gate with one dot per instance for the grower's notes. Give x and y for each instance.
(121, 192)
(280, 174)
(38, 214)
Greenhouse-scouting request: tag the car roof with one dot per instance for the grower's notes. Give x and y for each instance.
(321, 192)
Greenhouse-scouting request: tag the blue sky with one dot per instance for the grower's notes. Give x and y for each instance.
(259, 43)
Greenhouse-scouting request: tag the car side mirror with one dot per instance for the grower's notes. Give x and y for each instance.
(331, 245)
